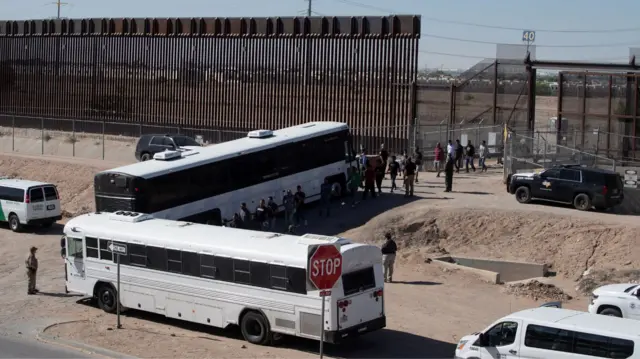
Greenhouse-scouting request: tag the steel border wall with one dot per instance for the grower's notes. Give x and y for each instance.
(244, 73)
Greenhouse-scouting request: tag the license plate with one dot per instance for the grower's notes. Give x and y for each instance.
(51, 207)
(615, 191)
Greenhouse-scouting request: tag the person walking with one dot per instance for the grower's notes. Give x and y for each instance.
(261, 215)
(363, 161)
(409, 173)
(31, 264)
(448, 174)
(418, 161)
(369, 182)
(451, 150)
(384, 155)
(353, 184)
(325, 197)
(388, 249)
(273, 212)
(245, 216)
(403, 163)
(380, 172)
(438, 157)
(299, 198)
(459, 152)
(289, 204)
(471, 153)
(394, 168)
(482, 156)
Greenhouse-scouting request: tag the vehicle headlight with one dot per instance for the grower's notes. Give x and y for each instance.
(462, 344)
(593, 298)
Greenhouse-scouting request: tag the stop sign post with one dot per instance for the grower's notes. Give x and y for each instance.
(325, 268)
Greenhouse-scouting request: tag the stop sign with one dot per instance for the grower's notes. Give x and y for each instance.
(325, 266)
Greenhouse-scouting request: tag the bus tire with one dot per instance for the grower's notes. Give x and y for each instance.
(255, 328)
(14, 223)
(107, 298)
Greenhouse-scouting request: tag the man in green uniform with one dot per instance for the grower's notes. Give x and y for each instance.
(32, 268)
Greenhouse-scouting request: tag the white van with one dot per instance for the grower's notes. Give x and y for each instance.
(28, 203)
(553, 333)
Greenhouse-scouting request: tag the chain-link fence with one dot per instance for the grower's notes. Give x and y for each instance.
(114, 141)
(527, 152)
(90, 139)
(431, 135)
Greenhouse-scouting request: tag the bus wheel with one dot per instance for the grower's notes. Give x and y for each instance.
(255, 328)
(107, 298)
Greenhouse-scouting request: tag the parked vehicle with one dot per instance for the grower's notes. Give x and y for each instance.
(209, 185)
(220, 276)
(552, 333)
(28, 203)
(617, 300)
(149, 145)
(583, 187)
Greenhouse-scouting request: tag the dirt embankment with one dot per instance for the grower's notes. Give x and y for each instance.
(569, 245)
(74, 180)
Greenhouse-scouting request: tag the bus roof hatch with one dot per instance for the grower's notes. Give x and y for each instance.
(260, 134)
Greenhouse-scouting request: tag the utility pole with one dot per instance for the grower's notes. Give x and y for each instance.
(309, 7)
(59, 4)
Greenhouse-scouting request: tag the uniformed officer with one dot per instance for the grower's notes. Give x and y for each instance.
(448, 173)
(32, 268)
(389, 249)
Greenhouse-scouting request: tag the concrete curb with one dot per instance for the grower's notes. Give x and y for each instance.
(72, 344)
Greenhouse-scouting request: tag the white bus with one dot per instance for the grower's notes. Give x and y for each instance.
(223, 276)
(209, 184)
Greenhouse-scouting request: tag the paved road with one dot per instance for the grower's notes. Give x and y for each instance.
(20, 348)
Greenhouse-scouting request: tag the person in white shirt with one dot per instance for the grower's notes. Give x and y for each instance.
(482, 154)
(450, 150)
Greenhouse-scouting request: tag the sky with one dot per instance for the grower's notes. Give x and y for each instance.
(585, 30)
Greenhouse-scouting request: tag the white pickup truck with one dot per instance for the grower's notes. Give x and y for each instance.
(617, 300)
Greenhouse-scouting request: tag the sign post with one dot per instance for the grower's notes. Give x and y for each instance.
(528, 37)
(118, 249)
(324, 268)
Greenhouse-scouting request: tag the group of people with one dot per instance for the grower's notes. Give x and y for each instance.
(368, 176)
(372, 172)
(265, 214)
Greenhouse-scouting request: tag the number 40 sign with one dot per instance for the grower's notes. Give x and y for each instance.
(528, 36)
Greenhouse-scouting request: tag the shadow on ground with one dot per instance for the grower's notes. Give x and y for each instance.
(386, 343)
(416, 282)
(55, 229)
(344, 217)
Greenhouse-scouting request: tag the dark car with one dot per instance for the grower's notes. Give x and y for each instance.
(582, 187)
(148, 145)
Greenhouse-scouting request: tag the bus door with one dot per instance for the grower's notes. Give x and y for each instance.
(75, 264)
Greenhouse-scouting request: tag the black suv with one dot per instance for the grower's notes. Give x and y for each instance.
(148, 145)
(581, 186)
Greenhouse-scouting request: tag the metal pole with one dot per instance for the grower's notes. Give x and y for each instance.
(13, 133)
(103, 125)
(73, 143)
(118, 293)
(42, 136)
(322, 329)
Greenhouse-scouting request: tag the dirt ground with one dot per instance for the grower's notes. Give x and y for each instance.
(428, 308)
